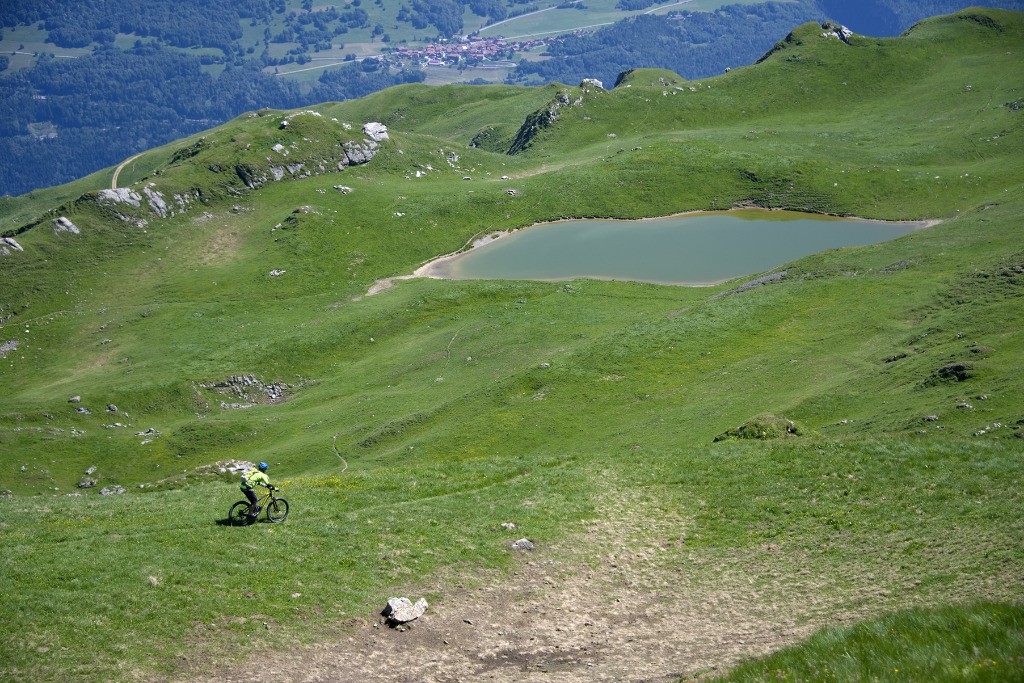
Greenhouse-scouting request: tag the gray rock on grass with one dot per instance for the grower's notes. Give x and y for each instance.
(403, 610)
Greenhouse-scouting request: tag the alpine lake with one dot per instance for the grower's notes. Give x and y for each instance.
(693, 249)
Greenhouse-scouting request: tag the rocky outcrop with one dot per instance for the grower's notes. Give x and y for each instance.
(250, 389)
(62, 224)
(121, 195)
(376, 131)
(121, 202)
(8, 245)
(839, 31)
(548, 115)
(352, 153)
(358, 152)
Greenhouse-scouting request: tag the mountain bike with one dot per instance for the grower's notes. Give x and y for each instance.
(276, 508)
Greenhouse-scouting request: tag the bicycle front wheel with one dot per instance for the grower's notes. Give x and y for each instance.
(277, 510)
(239, 514)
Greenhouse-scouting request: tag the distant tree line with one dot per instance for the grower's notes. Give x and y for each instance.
(182, 23)
(319, 28)
(115, 103)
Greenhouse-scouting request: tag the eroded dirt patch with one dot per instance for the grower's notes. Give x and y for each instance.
(615, 604)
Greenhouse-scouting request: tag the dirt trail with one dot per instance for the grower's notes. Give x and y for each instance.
(615, 606)
(117, 171)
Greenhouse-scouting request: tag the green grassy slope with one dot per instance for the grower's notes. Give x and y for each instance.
(460, 405)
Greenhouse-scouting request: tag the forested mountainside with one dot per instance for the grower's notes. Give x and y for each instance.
(700, 44)
(145, 73)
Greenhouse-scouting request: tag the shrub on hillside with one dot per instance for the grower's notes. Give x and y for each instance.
(763, 427)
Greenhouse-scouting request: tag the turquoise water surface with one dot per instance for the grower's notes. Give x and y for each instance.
(691, 249)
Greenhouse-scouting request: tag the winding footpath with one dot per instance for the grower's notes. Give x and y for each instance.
(117, 171)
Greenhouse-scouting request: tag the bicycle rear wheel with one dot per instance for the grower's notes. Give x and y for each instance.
(239, 514)
(277, 510)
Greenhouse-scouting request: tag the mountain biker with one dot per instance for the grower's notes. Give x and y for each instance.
(256, 476)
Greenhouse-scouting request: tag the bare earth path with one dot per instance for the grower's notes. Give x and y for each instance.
(616, 606)
(117, 171)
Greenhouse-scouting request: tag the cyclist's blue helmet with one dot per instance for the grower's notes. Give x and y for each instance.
(263, 467)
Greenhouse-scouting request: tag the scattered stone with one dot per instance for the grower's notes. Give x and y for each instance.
(591, 82)
(772, 277)
(250, 389)
(983, 397)
(111, 407)
(233, 466)
(931, 418)
(112, 490)
(87, 483)
(965, 406)
(75, 399)
(83, 411)
(402, 610)
(898, 266)
(148, 432)
(153, 581)
(957, 372)
(91, 470)
(512, 192)
(523, 544)
(508, 525)
(8, 346)
(277, 273)
(343, 189)
(545, 365)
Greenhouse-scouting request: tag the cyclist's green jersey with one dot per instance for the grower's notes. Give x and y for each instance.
(253, 477)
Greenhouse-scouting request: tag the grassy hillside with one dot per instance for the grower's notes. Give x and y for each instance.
(458, 406)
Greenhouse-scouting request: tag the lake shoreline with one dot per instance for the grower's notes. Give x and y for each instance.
(438, 268)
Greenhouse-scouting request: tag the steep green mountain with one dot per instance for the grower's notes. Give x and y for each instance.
(86, 84)
(214, 308)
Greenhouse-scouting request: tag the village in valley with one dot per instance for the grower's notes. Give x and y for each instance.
(471, 49)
